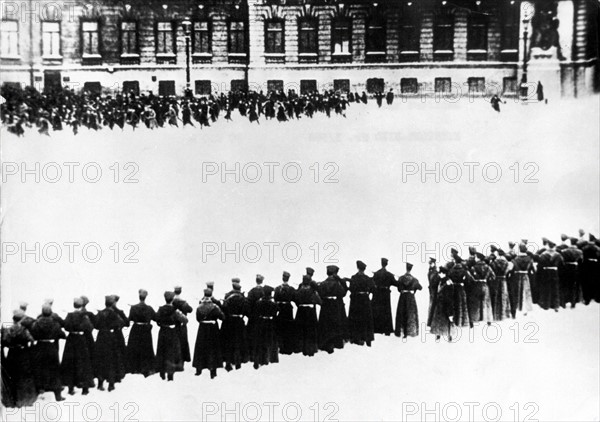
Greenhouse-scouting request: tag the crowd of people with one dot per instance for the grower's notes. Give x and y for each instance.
(22, 109)
(258, 326)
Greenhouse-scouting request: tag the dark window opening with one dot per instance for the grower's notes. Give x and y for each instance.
(409, 86)
(166, 88)
(203, 87)
(375, 85)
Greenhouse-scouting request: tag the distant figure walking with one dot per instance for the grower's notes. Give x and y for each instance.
(540, 92)
(389, 98)
(496, 102)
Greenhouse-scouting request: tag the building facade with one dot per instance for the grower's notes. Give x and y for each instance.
(418, 47)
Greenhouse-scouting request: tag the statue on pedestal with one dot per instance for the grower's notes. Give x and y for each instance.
(545, 42)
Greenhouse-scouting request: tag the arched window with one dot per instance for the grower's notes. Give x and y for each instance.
(308, 37)
(410, 31)
(129, 37)
(274, 37)
(201, 37)
(51, 39)
(9, 38)
(443, 30)
(165, 39)
(376, 40)
(510, 20)
(477, 31)
(376, 35)
(341, 36)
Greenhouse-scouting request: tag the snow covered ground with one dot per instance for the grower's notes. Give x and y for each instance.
(181, 224)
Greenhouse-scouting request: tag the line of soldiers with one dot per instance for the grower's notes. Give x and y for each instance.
(462, 293)
(27, 108)
(495, 287)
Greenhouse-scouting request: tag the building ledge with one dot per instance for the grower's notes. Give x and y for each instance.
(166, 58)
(308, 58)
(91, 59)
(341, 57)
(130, 59)
(375, 57)
(276, 58)
(9, 57)
(477, 55)
(237, 58)
(443, 55)
(202, 58)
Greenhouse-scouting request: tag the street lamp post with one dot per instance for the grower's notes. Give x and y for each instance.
(187, 28)
(524, 87)
(31, 78)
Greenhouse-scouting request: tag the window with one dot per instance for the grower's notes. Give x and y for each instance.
(443, 31)
(9, 38)
(201, 39)
(237, 37)
(166, 88)
(375, 85)
(94, 88)
(443, 85)
(409, 86)
(341, 36)
(52, 82)
(376, 36)
(11, 85)
(129, 43)
(238, 85)
(307, 86)
(274, 86)
(165, 41)
(203, 87)
(274, 41)
(510, 27)
(477, 32)
(341, 85)
(90, 42)
(307, 36)
(131, 87)
(509, 86)
(409, 27)
(51, 38)
(476, 85)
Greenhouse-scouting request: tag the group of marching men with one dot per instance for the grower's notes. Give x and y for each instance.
(65, 108)
(258, 326)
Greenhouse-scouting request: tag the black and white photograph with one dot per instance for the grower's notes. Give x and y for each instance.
(300, 210)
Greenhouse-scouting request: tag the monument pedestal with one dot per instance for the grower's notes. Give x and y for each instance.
(544, 66)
